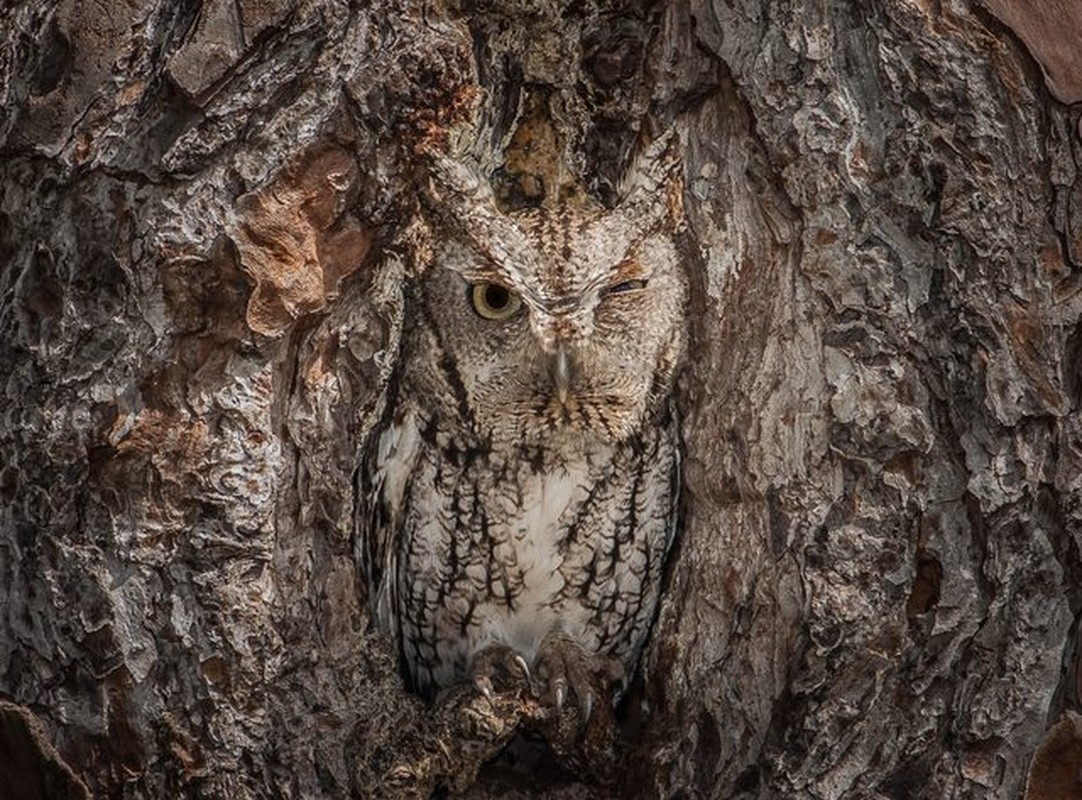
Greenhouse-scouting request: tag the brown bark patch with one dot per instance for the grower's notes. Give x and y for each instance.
(1051, 31)
(296, 241)
(1056, 770)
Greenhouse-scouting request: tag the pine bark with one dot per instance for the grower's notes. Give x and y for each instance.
(876, 588)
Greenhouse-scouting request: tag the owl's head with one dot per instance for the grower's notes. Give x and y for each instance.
(555, 321)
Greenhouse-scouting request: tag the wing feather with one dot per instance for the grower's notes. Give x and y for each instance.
(382, 494)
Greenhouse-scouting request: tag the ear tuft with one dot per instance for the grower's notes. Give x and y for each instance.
(451, 183)
(653, 187)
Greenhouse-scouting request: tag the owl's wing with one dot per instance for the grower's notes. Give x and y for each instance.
(382, 494)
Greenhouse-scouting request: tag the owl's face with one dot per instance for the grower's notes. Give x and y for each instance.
(556, 321)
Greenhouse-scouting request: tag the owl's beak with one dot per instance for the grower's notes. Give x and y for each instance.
(561, 373)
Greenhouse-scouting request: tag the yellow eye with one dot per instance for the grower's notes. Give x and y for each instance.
(493, 301)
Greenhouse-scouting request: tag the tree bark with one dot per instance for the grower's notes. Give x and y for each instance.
(876, 587)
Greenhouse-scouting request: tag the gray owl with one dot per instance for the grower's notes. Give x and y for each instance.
(518, 494)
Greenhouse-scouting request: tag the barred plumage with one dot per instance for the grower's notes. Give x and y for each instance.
(522, 481)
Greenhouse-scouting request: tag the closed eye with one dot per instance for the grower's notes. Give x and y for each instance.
(626, 286)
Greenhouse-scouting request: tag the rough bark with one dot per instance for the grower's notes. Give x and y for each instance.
(876, 589)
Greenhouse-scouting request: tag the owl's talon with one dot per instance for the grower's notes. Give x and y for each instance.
(560, 690)
(484, 686)
(521, 663)
(587, 706)
(570, 675)
(498, 670)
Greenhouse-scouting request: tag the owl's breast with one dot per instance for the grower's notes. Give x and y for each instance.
(508, 549)
(530, 551)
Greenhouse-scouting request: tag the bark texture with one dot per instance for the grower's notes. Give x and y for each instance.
(877, 586)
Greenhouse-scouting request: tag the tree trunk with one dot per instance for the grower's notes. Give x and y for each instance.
(876, 587)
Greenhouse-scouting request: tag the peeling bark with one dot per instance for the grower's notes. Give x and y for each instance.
(876, 588)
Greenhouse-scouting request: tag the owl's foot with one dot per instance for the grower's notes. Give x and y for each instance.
(576, 690)
(499, 669)
(566, 698)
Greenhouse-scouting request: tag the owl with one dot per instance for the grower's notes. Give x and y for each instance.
(518, 494)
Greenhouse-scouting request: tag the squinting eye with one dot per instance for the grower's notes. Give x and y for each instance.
(493, 301)
(626, 286)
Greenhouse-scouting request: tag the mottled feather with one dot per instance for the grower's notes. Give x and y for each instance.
(523, 478)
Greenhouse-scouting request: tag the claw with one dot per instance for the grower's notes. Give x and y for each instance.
(560, 690)
(521, 663)
(484, 686)
(587, 707)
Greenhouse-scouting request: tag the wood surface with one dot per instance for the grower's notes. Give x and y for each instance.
(877, 585)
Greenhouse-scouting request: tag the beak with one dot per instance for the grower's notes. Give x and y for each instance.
(561, 373)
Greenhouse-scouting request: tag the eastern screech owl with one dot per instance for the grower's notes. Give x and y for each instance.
(519, 490)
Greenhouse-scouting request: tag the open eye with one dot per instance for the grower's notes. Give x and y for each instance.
(626, 286)
(493, 301)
